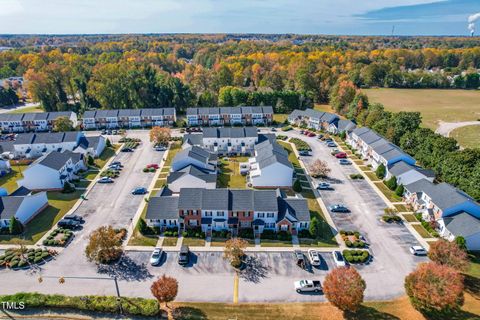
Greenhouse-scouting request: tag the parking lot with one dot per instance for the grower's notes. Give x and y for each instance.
(392, 260)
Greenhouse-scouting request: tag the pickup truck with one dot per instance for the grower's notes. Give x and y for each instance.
(308, 286)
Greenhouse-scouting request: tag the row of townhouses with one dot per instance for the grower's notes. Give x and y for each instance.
(34, 145)
(229, 209)
(128, 118)
(225, 140)
(53, 170)
(453, 212)
(40, 121)
(223, 116)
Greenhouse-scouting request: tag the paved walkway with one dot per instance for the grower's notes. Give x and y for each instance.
(445, 128)
(220, 249)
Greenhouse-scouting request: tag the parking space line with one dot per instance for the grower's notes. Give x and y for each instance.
(235, 288)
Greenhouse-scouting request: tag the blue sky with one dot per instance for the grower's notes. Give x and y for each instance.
(359, 17)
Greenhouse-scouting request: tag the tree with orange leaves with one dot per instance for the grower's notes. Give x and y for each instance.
(160, 135)
(164, 289)
(448, 253)
(435, 287)
(344, 288)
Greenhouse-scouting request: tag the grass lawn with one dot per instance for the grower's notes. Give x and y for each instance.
(9, 181)
(275, 243)
(230, 176)
(160, 183)
(359, 162)
(387, 192)
(193, 242)
(421, 231)
(82, 184)
(280, 117)
(169, 241)
(304, 242)
(33, 109)
(386, 310)
(324, 108)
(468, 137)
(106, 155)
(59, 205)
(401, 208)
(410, 217)
(434, 104)
(364, 168)
(175, 147)
(90, 175)
(372, 176)
(139, 239)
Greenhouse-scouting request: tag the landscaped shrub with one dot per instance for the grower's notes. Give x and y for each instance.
(356, 256)
(282, 137)
(68, 187)
(15, 226)
(224, 234)
(304, 233)
(284, 236)
(194, 232)
(297, 186)
(391, 218)
(246, 233)
(381, 171)
(391, 183)
(269, 234)
(399, 190)
(356, 176)
(300, 144)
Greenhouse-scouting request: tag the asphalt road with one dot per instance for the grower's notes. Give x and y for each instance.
(392, 260)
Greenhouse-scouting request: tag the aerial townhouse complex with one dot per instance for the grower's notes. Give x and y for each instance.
(228, 116)
(229, 209)
(128, 118)
(453, 212)
(40, 121)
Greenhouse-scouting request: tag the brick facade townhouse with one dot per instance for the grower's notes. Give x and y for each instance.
(29, 122)
(229, 209)
(128, 118)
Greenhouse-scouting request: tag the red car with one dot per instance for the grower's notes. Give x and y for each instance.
(153, 165)
(341, 155)
(311, 134)
(306, 132)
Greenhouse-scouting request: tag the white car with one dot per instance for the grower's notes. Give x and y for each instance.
(156, 256)
(314, 257)
(418, 251)
(308, 286)
(338, 258)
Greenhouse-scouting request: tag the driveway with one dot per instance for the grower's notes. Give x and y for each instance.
(392, 260)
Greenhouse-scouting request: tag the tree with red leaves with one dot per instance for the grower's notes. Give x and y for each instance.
(165, 289)
(344, 288)
(435, 287)
(449, 254)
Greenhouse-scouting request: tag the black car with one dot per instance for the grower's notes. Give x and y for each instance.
(104, 131)
(68, 224)
(184, 256)
(74, 217)
(117, 163)
(127, 150)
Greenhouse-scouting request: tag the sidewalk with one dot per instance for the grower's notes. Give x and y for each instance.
(220, 249)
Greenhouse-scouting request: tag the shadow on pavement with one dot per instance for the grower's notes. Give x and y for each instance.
(126, 269)
(254, 270)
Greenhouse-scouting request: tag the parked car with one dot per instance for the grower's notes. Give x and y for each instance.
(104, 131)
(273, 129)
(314, 257)
(304, 153)
(109, 132)
(156, 256)
(300, 258)
(331, 145)
(114, 167)
(302, 131)
(308, 286)
(324, 186)
(334, 151)
(341, 155)
(105, 180)
(117, 163)
(74, 217)
(127, 150)
(139, 190)
(115, 132)
(338, 208)
(344, 162)
(418, 251)
(153, 165)
(311, 134)
(68, 224)
(320, 136)
(160, 148)
(338, 259)
(184, 256)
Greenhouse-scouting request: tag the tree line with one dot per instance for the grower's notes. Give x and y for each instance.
(287, 72)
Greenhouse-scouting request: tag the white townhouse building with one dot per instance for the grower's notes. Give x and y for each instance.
(36, 122)
(313, 119)
(246, 115)
(51, 171)
(34, 145)
(128, 118)
(191, 177)
(196, 156)
(24, 207)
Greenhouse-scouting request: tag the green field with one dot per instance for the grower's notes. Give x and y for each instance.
(9, 181)
(434, 104)
(230, 176)
(468, 136)
(27, 110)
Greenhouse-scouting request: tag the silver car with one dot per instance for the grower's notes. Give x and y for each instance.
(156, 256)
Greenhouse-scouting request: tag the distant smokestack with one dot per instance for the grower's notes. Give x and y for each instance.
(471, 22)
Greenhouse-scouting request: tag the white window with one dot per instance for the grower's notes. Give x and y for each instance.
(208, 213)
(270, 215)
(192, 222)
(220, 214)
(261, 215)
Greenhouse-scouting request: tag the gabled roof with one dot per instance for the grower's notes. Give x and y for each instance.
(162, 208)
(193, 171)
(401, 167)
(270, 152)
(190, 199)
(296, 207)
(230, 132)
(462, 224)
(9, 206)
(152, 112)
(24, 138)
(194, 139)
(345, 125)
(106, 114)
(443, 195)
(49, 137)
(360, 131)
(58, 114)
(89, 114)
(129, 112)
(55, 160)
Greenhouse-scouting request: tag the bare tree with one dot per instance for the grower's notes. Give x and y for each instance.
(319, 168)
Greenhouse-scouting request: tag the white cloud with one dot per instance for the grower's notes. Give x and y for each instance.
(10, 7)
